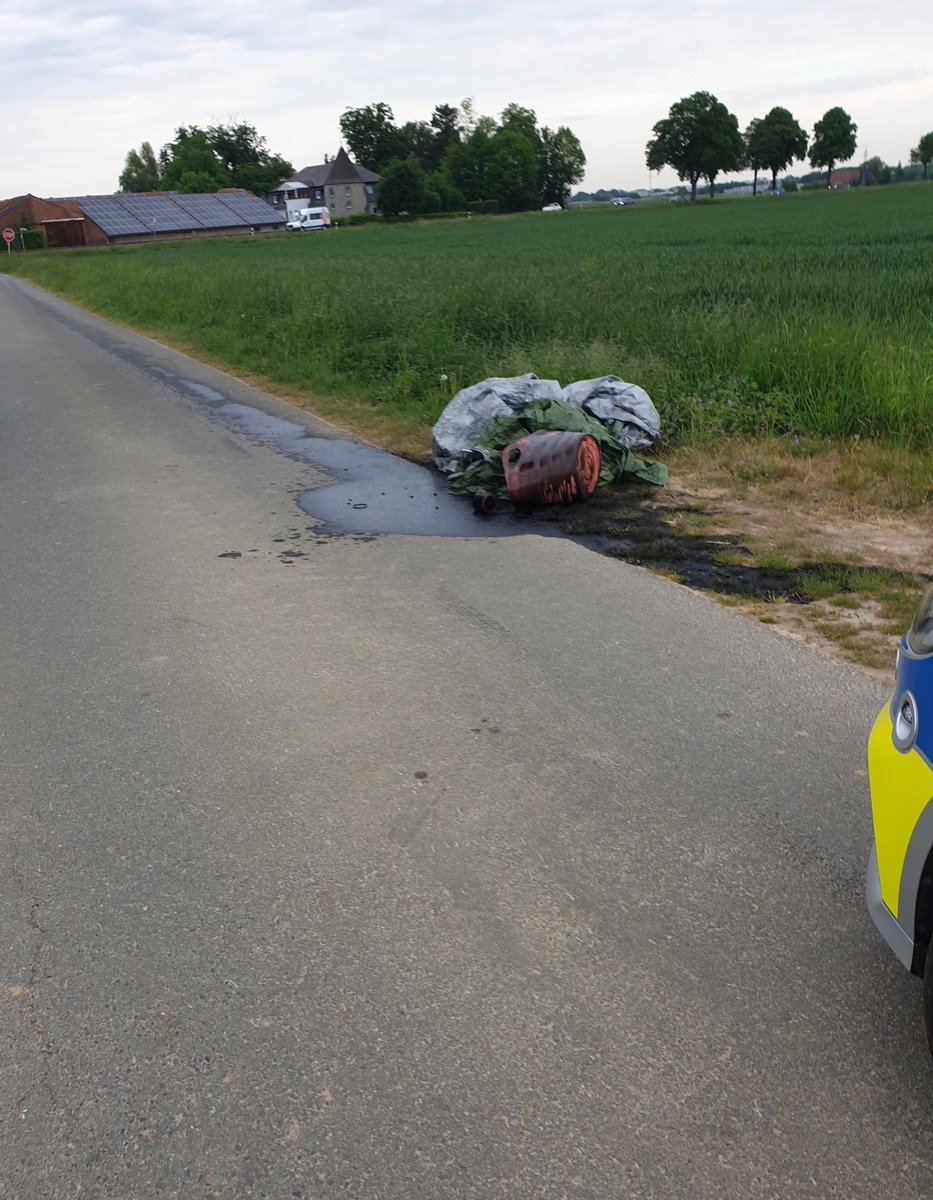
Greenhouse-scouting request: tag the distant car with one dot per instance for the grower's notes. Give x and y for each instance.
(899, 878)
(622, 201)
(309, 218)
(552, 208)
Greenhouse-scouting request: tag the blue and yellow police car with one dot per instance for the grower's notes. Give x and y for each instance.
(899, 880)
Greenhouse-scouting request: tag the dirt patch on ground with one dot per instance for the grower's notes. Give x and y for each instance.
(846, 586)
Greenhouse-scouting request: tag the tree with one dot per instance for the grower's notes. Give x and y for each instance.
(561, 162)
(778, 141)
(189, 164)
(753, 157)
(923, 152)
(203, 160)
(444, 123)
(833, 141)
(468, 159)
(698, 138)
(141, 171)
(245, 159)
(442, 194)
(877, 171)
(523, 121)
(402, 188)
(511, 171)
(371, 136)
(416, 140)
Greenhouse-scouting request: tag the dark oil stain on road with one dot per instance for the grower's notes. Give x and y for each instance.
(374, 492)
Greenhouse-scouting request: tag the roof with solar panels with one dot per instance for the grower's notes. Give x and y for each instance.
(134, 214)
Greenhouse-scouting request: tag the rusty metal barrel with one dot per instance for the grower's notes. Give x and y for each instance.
(552, 467)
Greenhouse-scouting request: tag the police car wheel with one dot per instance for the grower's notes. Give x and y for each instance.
(928, 996)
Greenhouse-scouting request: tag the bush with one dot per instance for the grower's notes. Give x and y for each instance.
(359, 219)
(443, 216)
(30, 239)
(479, 207)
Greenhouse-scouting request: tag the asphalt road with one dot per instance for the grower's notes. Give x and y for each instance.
(405, 867)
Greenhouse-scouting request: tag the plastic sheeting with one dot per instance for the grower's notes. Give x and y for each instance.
(623, 408)
(463, 420)
(480, 469)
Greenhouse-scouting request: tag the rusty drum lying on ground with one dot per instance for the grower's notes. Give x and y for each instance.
(552, 467)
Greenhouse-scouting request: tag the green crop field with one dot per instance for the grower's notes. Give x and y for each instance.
(807, 314)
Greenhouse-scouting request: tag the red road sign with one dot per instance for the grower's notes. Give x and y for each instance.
(8, 235)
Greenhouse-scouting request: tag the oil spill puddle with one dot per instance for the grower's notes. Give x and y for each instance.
(373, 492)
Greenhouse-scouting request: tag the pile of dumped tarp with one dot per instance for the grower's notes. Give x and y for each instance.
(482, 420)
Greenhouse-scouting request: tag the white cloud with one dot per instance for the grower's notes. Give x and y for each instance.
(82, 83)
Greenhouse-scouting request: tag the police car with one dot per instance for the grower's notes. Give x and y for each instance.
(899, 879)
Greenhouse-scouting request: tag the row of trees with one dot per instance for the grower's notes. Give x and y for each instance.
(700, 139)
(204, 160)
(460, 159)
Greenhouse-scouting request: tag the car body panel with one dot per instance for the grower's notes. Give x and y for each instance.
(901, 782)
(901, 789)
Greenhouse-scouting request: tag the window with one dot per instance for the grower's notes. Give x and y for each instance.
(346, 190)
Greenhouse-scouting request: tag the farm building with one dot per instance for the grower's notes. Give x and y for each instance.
(851, 177)
(341, 185)
(139, 216)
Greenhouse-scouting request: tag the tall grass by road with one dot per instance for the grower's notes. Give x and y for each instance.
(807, 314)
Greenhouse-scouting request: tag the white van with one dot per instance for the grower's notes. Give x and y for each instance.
(310, 218)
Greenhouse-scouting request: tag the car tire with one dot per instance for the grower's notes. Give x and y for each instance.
(928, 996)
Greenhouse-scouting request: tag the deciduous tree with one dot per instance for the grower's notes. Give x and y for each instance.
(416, 140)
(246, 159)
(402, 188)
(833, 141)
(561, 162)
(512, 171)
(444, 123)
(779, 139)
(753, 157)
(141, 171)
(203, 160)
(699, 138)
(371, 135)
(189, 164)
(923, 152)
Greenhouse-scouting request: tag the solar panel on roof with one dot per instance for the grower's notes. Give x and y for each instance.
(249, 208)
(157, 213)
(206, 210)
(110, 216)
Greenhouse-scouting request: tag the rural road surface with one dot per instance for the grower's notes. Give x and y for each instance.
(404, 866)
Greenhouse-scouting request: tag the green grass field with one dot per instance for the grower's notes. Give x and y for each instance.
(806, 314)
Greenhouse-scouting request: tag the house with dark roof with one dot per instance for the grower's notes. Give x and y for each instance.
(340, 185)
(140, 216)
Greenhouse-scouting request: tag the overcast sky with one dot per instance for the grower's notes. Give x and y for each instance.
(81, 83)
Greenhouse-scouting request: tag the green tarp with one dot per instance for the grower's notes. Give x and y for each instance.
(477, 475)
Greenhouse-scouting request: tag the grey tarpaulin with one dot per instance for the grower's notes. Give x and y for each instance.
(463, 420)
(624, 408)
